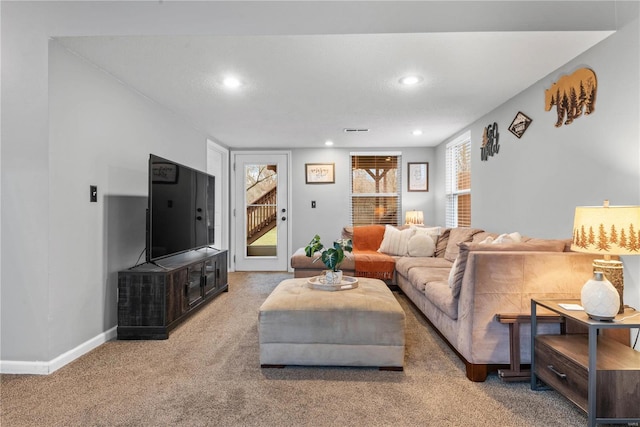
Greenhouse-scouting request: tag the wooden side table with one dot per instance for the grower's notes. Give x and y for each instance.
(515, 373)
(597, 373)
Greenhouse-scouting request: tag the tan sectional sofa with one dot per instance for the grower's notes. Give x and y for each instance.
(487, 279)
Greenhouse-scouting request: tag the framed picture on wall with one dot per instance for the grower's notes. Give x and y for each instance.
(519, 124)
(320, 173)
(418, 176)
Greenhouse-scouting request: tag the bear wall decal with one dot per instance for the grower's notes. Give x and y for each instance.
(572, 95)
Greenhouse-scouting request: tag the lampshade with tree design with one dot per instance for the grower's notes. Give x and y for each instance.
(608, 230)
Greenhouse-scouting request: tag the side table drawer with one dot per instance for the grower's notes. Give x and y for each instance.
(561, 361)
(567, 377)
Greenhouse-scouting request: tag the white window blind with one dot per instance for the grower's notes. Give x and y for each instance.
(375, 188)
(458, 182)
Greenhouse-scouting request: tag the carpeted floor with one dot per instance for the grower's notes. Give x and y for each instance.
(207, 374)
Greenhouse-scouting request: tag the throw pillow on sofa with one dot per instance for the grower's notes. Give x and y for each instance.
(395, 242)
(421, 245)
(441, 243)
(434, 232)
(514, 237)
(458, 235)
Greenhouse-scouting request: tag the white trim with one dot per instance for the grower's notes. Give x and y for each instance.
(376, 153)
(460, 138)
(45, 368)
(213, 146)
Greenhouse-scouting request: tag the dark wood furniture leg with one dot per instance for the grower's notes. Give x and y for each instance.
(515, 372)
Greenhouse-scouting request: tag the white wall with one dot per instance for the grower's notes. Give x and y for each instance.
(534, 183)
(101, 133)
(332, 200)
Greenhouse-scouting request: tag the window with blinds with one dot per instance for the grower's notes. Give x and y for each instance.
(458, 182)
(375, 188)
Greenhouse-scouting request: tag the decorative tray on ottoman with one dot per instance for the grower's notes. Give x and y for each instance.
(348, 282)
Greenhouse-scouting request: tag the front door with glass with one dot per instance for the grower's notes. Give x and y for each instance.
(261, 215)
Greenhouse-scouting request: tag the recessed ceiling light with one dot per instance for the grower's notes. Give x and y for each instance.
(232, 82)
(410, 80)
(417, 132)
(329, 143)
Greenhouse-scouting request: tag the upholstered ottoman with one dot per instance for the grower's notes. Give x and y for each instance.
(357, 327)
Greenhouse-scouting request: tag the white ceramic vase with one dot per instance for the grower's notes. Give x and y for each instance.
(599, 298)
(332, 277)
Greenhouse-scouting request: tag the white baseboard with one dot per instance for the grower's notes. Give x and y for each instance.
(46, 368)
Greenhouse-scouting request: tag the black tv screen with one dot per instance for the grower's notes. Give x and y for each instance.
(180, 210)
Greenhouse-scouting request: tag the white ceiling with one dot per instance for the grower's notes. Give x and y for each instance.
(301, 90)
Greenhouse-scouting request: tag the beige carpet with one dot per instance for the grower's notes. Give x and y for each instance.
(207, 374)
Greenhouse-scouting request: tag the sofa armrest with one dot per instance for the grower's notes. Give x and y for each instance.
(505, 282)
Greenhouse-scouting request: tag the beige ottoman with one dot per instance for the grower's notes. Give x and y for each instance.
(357, 327)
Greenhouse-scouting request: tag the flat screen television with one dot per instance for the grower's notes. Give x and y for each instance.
(180, 213)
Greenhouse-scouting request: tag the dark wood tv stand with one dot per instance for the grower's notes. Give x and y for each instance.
(153, 298)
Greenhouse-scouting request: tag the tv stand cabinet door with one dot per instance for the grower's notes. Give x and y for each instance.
(215, 275)
(222, 280)
(177, 304)
(141, 306)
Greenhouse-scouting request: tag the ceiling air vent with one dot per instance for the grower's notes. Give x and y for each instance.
(355, 130)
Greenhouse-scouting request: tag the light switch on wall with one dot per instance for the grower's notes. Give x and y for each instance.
(93, 193)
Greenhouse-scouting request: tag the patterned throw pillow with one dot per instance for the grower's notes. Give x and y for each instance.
(395, 242)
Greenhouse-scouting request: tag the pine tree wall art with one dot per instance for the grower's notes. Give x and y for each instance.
(573, 96)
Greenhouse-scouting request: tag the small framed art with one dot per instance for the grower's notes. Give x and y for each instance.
(519, 124)
(320, 173)
(418, 176)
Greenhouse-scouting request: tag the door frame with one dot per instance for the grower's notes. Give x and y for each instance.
(234, 216)
(223, 178)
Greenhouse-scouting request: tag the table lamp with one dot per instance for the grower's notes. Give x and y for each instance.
(414, 217)
(606, 230)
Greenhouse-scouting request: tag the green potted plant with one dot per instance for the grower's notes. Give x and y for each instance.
(331, 257)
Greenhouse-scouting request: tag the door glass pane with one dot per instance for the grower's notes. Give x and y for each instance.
(261, 183)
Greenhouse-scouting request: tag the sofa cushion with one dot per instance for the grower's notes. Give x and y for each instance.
(405, 264)
(439, 294)
(421, 245)
(421, 276)
(460, 264)
(395, 242)
(441, 243)
(482, 236)
(458, 235)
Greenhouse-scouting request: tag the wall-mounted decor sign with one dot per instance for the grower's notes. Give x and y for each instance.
(572, 95)
(320, 173)
(519, 124)
(490, 144)
(418, 177)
